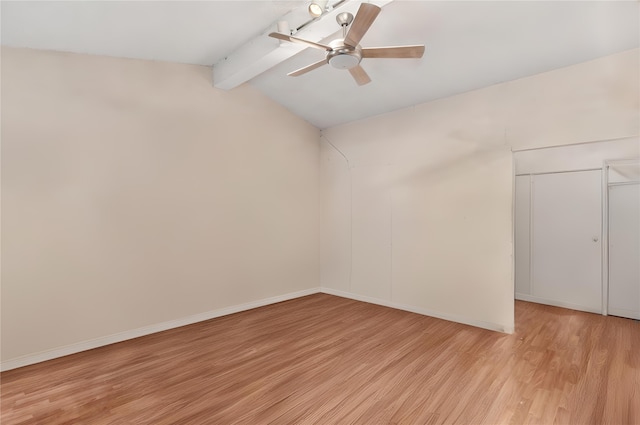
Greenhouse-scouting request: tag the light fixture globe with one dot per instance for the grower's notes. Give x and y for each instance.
(343, 56)
(344, 61)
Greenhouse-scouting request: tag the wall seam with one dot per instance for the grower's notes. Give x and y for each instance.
(326, 139)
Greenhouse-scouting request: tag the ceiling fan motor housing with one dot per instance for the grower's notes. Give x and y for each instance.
(343, 56)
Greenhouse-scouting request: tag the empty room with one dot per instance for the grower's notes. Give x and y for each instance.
(320, 212)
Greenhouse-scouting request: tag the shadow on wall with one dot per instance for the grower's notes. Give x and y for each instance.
(482, 156)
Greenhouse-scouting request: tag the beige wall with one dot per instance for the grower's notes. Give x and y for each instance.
(134, 193)
(592, 101)
(417, 204)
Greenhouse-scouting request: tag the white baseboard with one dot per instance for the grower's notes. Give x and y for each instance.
(135, 333)
(426, 312)
(623, 312)
(159, 327)
(533, 299)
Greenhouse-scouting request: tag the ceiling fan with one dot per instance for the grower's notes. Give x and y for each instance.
(346, 52)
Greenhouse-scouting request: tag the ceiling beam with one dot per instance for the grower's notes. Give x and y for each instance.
(263, 52)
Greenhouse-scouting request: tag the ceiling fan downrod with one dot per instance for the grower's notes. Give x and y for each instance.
(344, 19)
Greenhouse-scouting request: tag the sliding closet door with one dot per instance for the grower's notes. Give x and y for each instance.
(624, 250)
(566, 231)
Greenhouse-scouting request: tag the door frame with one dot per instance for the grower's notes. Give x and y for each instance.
(605, 227)
(530, 297)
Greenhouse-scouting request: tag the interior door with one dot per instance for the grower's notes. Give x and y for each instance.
(566, 231)
(624, 250)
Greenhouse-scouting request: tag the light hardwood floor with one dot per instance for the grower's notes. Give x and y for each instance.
(328, 360)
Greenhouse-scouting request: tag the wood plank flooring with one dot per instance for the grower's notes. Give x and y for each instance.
(328, 360)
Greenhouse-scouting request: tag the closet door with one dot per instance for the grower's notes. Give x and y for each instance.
(624, 250)
(566, 232)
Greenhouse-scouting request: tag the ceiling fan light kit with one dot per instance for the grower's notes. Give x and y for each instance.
(342, 56)
(346, 52)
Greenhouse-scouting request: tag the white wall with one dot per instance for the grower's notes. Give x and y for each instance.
(420, 220)
(135, 193)
(417, 204)
(587, 102)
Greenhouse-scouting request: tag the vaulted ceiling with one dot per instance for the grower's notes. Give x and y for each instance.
(468, 44)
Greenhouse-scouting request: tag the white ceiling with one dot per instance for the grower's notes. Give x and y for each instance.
(468, 44)
(196, 32)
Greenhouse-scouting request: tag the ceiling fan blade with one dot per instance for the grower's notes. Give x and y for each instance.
(358, 73)
(367, 13)
(394, 52)
(300, 41)
(307, 68)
